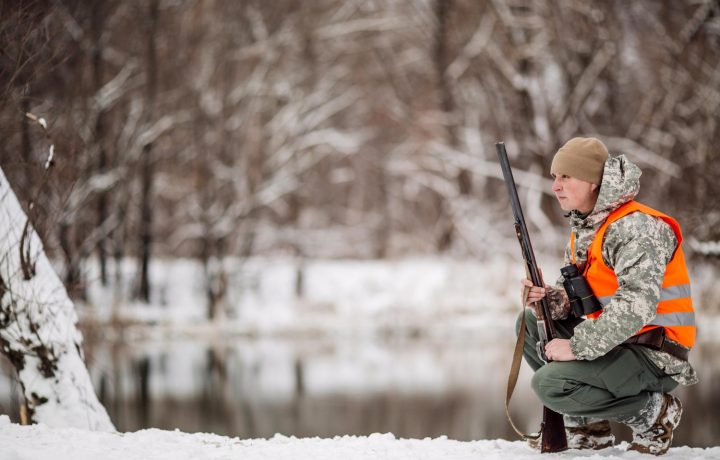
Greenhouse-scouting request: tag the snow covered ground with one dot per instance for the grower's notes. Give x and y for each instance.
(43, 443)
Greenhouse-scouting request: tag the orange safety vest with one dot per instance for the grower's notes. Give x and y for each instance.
(674, 310)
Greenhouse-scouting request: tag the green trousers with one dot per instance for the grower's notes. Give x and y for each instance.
(617, 386)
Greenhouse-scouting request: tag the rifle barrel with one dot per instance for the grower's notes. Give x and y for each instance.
(553, 438)
(523, 234)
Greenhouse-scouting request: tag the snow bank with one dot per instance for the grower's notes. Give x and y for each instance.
(433, 295)
(39, 442)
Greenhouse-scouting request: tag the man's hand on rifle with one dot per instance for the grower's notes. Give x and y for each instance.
(559, 350)
(557, 299)
(535, 293)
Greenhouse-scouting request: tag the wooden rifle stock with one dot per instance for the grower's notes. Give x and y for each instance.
(552, 429)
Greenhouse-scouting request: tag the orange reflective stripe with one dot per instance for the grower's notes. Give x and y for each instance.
(674, 309)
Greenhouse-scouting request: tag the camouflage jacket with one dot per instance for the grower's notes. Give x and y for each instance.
(637, 247)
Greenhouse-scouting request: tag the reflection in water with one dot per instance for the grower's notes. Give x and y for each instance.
(414, 389)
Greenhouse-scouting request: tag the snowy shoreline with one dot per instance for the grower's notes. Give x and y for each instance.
(39, 442)
(435, 297)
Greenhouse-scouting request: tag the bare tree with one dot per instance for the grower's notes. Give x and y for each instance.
(347, 128)
(38, 331)
(147, 161)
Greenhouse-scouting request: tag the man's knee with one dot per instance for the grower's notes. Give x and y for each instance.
(547, 385)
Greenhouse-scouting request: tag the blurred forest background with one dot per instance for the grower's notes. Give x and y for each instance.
(353, 140)
(342, 128)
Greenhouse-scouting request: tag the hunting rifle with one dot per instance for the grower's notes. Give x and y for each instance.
(552, 430)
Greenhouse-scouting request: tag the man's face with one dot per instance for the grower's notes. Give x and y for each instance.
(574, 193)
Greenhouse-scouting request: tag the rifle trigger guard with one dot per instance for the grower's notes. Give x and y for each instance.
(540, 348)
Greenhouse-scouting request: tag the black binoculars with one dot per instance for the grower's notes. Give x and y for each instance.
(582, 300)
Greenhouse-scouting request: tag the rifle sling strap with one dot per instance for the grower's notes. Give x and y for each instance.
(515, 370)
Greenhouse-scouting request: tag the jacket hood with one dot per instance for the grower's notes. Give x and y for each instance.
(620, 184)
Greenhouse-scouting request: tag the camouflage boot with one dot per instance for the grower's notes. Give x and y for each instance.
(657, 438)
(596, 435)
(584, 433)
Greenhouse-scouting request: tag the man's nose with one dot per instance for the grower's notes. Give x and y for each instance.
(556, 185)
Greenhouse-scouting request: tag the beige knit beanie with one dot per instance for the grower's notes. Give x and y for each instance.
(582, 158)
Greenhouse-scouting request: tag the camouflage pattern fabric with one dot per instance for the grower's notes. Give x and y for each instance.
(637, 247)
(645, 416)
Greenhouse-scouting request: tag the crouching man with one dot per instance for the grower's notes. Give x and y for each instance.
(619, 362)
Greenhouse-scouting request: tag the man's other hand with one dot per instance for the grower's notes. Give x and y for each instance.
(559, 350)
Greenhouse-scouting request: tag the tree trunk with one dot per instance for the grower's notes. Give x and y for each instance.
(98, 70)
(38, 330)
(446, 228)
(26, 142)
(74, 283)
(147, 173)
(443, 9)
